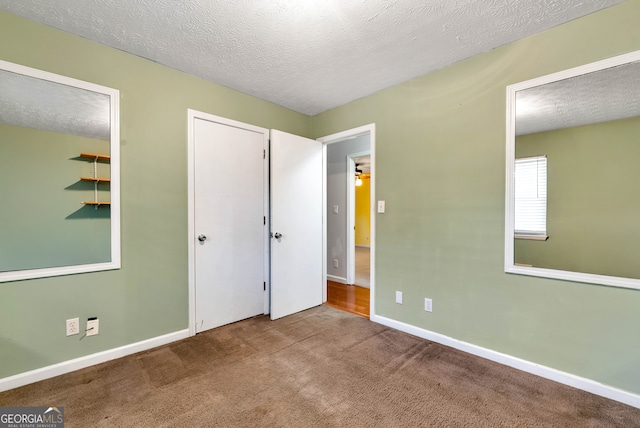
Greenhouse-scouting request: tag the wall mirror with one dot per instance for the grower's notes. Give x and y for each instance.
(59, 175)
(573, 174)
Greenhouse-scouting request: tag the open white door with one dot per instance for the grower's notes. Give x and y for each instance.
(296, 223)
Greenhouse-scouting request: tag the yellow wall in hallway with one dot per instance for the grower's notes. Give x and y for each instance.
(363, 212)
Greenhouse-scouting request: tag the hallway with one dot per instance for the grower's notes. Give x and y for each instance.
(363, 271)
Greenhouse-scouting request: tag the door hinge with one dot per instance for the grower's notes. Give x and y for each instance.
(264, 154)
(264, 220)
(265, 286)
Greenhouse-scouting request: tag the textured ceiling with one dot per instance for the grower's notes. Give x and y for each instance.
(35, 103)
(605, 95)
(307, 55)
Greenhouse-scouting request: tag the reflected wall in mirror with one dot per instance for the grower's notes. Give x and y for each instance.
(50, 223)
(586, 123)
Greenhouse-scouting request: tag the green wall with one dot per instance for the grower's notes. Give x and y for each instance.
(148, 296)
(42, 196)
(593, 200)
(440, 167)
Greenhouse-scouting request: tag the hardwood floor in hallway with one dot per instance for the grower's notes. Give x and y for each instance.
(349, 298)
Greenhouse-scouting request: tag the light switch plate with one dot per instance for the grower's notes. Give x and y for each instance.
(381, 207)
(399, 297)
(336, 209)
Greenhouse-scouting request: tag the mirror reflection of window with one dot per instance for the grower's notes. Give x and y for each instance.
(586, 120)
(531, 197)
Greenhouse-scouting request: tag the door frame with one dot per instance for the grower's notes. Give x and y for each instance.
(192, 116)
(335, 138)
(351, 215)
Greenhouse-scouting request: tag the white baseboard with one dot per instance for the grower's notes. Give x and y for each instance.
(43, 373)
(339, 279)
(517, 363)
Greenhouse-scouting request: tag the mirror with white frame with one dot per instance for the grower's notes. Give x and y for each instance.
(59, 175)
(572, 175)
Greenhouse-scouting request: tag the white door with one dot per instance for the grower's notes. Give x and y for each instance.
(229, 223)
(296, 223)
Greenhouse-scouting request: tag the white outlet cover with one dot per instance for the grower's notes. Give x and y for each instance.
(381, 207)
(428, 305)
(399, 297)
(73, 326)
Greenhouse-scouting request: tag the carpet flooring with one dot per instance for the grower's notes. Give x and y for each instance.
(319, 368)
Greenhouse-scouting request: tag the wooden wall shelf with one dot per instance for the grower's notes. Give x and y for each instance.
(97, 204)
(96, 180)
(95, 156)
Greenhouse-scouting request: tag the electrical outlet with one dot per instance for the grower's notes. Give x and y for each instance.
(336, 209)
(335, 263)
(73, 326)
(428, 305)
(93, 325)
(399, 297)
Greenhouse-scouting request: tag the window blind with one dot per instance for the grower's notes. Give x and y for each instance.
(531, 196)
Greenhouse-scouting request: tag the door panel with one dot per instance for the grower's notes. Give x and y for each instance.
(296, 213)
(229, 210)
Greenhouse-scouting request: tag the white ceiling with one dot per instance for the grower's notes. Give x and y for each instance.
(307, 55)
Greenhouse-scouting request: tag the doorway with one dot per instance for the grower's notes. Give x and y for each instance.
(359, 218)
(342, 151)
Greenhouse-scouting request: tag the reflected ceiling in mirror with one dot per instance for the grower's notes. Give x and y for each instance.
(35, 103)
(585, 122)
(599, 96)
(50, 223)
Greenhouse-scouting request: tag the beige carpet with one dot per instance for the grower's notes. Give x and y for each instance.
(363, 271)
(319, 368)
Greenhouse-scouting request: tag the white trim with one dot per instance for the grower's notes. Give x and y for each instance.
(350, 265)
(509, 259)
(47, 372)
(267, 227)
(339, 279)
(351, 215)
(324, 223)
(192, 115)
(334, 138)
(114, 148)
(517, 363)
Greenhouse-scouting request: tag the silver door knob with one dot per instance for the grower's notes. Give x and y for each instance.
(277, 235)
(202, 238)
